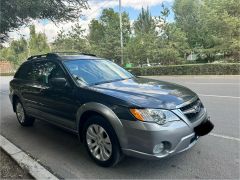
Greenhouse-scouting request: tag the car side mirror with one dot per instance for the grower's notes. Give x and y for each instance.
(58, 82)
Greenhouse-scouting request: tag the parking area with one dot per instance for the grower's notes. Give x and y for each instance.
(215, 156)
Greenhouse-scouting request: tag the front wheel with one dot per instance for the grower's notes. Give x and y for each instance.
(22, 117)
(101, 142)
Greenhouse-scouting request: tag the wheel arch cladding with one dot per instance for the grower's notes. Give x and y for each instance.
(93, 108)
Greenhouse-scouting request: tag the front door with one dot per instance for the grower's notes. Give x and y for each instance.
(58, 105)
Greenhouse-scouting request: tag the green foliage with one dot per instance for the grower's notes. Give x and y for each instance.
(190, 69)
(211, 26)
(72, 41)
(142, 49)
(37, 42)
(145, 23)
(208, 29)
(16, 52)
(187, 14)
(15, 13)
(104, 35)
(156, 40)
(19, 50)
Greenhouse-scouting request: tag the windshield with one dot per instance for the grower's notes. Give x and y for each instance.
(93, 72)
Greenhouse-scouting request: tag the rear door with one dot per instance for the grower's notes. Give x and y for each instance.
(29, 87)
(32, 87)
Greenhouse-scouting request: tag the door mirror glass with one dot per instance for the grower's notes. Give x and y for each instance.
(58, 82)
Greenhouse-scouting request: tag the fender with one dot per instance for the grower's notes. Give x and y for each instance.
(108, 114)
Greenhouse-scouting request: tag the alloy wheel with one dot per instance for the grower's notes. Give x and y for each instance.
(20, 112)
(98, 142)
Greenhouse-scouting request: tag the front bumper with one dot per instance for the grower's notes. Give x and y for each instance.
(184, 144)
(177, 137)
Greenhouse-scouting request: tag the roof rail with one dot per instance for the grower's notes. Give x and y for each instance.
(73, 53)
(89, 54)
(56, 54)
(37, 56)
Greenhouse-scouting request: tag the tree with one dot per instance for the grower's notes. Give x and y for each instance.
(104, 35)
(156, 40)
(19, 50)
(173, 43)
(187, 16)
(16, 52)
(212, 26)
(142, 49)
(96, 32)
(144, 23)
(73, 40)
(17, 13)
(222, 21)
(142, 44)
(37, 42)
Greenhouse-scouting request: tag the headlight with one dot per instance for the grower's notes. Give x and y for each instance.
(158, 116)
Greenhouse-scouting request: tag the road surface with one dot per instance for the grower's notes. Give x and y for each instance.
(215, 155)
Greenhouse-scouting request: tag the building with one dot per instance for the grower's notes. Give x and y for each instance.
(6, 67)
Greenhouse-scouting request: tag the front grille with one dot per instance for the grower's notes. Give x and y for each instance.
(193, 110)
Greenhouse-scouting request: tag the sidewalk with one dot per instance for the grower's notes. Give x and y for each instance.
(28, 164)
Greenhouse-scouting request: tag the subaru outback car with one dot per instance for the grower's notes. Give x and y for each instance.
(113, 112)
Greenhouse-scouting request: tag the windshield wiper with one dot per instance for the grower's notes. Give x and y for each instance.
(79, 79)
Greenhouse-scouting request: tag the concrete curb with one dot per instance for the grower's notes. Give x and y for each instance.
(36, 170)
(193, 76)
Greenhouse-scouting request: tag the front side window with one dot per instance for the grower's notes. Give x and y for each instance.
(92, 72)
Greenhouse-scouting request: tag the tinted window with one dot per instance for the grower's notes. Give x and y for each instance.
(90, 72)
(42, 72)
(23, 71)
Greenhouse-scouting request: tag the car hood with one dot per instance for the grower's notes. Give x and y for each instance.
(147, 93)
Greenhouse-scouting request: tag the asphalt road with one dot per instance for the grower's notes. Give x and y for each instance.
(215, 156)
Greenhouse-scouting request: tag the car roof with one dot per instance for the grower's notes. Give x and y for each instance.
(65, 56)
(78, 57)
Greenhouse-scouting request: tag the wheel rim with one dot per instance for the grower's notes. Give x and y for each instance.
(20, 112)
(99, 142)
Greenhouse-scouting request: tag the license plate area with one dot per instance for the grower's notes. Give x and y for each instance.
(204, 128)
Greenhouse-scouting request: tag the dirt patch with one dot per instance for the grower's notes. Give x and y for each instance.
(10, 169)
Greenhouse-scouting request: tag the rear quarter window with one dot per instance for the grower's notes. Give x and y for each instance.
(23, 71)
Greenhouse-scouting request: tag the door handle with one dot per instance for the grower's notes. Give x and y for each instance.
(42, 90)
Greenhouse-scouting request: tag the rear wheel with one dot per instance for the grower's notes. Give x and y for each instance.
(22, 117)
(101, 142)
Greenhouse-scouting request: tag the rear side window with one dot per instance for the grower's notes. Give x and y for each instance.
(23, 71)
(40, 71)
(43, 71)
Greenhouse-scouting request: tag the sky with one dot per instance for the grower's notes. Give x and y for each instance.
(132, 7)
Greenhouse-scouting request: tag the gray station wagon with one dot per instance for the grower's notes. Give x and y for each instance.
(113, 112)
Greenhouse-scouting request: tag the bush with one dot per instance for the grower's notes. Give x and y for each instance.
(189, 69)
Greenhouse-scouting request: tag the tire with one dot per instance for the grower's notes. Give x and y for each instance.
(22, 117)
(103, 147)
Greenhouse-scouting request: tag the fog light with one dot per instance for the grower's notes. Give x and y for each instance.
(158, 148)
